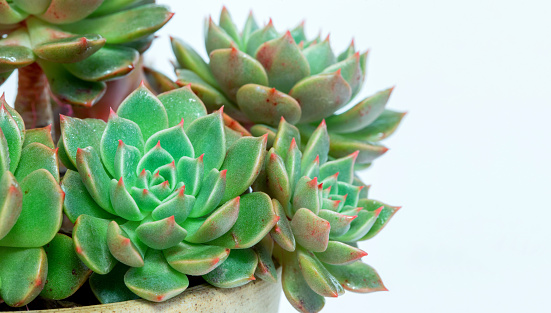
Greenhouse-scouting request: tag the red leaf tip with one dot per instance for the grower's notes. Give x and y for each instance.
(181, 191)
(158, 145)
(121, 182)
(200, 158)
(378, 211)
(181, 124)
(223, 173)
(313, 183)
(354, 154)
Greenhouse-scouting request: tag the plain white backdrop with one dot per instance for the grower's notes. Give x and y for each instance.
(471, 162)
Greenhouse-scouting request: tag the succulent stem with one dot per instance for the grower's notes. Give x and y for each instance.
(33, 99)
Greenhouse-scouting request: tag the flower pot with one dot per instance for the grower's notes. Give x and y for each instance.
(252, 297)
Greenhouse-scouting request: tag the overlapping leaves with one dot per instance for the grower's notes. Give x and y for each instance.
(79, 45)
(30, 216)
(159, 192)
(261, 76)
(323, 212)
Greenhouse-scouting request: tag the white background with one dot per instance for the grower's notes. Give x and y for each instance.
(470, 163)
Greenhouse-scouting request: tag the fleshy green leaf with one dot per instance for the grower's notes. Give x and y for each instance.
(233, 69)
(310, 231)
(66, 273)
(189, 59)
(282, 233)
(339, 253)
(343, 166)
(317, 146)
(36, 156)
(180, 104)
(52, 44)
(277, 178)
(267, 105)
(110, 288)
(226, 23)
(341, 146)
(306, 195)
(122, 247)
(207, 137)
(387, 212)
(156, 281)
(139, 101)
(217, 224)
(40, 217)
(260, 36)
(77, 133)
(94, 177)
(340, 223)
(106, 64)
(139, 22)
(11, 199)
(361, 115)
(381, 128)
(13, 136)
(210, 194)
(190, 172)
(174, 140)
(283, 61)
(317, 276)
(24, 279)
(161, 234)
(248, 29)
(237, 270)
(256, 219)
(350, 70)
(265, 269)
(77, 199)
(39, 135)
(15, 51)
(67, 11)
(321, 95)
(319, 56)
(243, 162)
(195, 259)
(211, 97)
(360, 226)
(90, 239)
(70, 89)
(357, 277)
(10, 14)
(216, 38)
(297, 291)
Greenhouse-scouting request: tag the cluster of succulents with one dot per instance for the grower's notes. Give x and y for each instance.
(171, 186)
(165, 194)
(79, 45)
(32, 253)
(324, 211)
(260, 75)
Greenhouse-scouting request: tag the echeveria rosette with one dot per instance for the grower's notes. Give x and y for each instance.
(79, 45)
(260, 75)
(324, 211)
(34, 259)
(160, 192)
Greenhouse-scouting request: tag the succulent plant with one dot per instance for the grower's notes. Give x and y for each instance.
(324, 211)
(155, 199)
(260, 75)
(34, 259)
(78, 45)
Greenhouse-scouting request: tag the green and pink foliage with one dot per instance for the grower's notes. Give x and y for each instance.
(78, 44)
(34, 259)
(261, 75)
(324, 211)
(162, 191)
